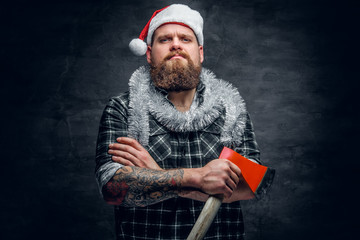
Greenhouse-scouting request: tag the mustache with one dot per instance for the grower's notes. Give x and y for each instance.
(179, 53)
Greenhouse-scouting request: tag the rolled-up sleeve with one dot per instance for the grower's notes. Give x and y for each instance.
(113, 124)
(249, 147)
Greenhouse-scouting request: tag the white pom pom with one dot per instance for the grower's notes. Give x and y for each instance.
(138, 47)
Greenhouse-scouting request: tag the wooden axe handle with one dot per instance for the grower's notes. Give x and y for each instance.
(205, 218)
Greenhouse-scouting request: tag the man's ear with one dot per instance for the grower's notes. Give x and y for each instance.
(201, 52)
(148, 54)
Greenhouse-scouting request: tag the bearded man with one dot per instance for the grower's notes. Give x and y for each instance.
(159, 142)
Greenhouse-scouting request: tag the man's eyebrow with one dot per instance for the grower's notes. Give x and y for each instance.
(182, 35)
(164, 35)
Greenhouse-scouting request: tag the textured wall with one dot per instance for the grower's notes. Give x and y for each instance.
(291, 60)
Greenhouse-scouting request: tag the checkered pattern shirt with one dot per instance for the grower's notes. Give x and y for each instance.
(173, 218)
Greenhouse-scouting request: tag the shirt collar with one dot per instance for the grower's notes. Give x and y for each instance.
(198, 98)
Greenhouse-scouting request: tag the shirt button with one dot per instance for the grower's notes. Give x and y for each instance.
(183, 153)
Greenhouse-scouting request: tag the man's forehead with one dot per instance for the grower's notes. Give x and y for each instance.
(173, 28)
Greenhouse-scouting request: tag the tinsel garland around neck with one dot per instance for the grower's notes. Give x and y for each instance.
(145, 99)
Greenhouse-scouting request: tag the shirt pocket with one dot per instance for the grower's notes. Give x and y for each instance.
(159, 147)
(211, 145)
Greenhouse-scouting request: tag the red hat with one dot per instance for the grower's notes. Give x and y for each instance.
(175, 13)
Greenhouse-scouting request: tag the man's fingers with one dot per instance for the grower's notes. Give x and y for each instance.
(131, 142)
(221, 177)
(125, 155)
(232, 172)
(122, 161)
(235, 173)
(118, 147)
(231, 184)
(131, 150)
(227, 191)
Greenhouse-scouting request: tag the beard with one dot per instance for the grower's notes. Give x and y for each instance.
(176, 75)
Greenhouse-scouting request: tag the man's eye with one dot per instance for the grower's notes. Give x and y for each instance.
(186, 40)
(164, 40)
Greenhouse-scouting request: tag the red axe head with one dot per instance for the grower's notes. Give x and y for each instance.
(258, 177)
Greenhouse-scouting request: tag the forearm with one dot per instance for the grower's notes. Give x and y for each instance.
(138, 187)
(134, 186)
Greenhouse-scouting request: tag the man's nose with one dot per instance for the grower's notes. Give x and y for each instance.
(176, 44)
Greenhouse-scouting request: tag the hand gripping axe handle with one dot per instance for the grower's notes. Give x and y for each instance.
(258, 178)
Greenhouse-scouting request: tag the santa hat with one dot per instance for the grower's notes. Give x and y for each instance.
(175, 13)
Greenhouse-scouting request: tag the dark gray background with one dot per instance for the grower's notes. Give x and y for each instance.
(294, 63)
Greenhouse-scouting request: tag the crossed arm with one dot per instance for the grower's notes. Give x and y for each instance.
(142, 182)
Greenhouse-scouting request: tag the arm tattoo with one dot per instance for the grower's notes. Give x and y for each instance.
(134, 186)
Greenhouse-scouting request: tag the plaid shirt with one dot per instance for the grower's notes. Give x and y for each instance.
(173, 218)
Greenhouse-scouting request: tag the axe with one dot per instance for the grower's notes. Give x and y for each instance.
(257, 177)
